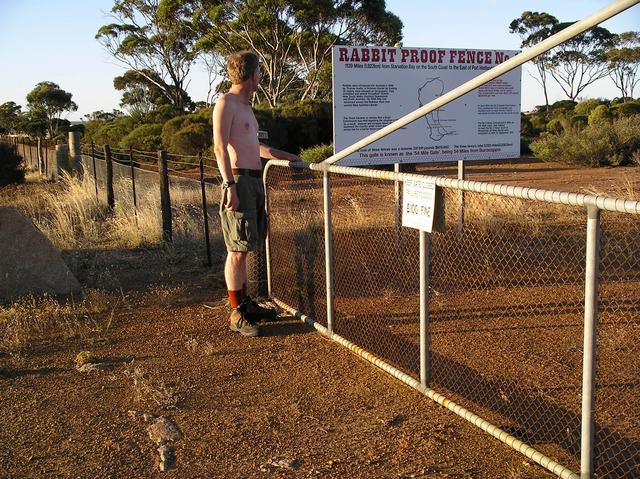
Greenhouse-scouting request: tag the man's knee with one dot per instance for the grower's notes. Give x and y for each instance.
(237, 258)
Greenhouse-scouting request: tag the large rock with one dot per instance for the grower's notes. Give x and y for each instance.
(29, 263)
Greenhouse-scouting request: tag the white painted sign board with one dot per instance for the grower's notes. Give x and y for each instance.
(374, 86)
(418, 203)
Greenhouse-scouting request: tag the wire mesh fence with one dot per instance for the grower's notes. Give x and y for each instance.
(506, 304)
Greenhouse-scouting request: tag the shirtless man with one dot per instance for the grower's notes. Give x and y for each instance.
(242, 207)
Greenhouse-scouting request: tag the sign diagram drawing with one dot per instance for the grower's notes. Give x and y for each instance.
(432, 89)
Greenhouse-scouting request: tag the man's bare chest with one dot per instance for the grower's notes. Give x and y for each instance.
(244, 123)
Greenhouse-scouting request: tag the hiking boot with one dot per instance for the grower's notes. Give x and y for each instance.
(255, 312)
(239, 322)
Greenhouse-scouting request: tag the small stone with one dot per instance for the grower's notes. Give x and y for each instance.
(164, 430)
(284, 463)
(88, 367)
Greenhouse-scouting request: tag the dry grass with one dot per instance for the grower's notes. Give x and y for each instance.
(629, 189)
(73, 217)
(31, 320)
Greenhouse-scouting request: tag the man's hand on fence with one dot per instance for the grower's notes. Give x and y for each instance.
(293, 158)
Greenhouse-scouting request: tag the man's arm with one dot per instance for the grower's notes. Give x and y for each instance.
(274, 154)
(222, 119)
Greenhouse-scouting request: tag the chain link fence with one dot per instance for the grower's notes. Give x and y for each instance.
(506, 305)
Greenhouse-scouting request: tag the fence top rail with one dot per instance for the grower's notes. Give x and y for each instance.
(605, 203)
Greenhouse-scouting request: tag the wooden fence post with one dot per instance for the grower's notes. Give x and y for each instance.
(109, 162)
(93, 165)
(40, 157)
(165, 199)
(205, 214)
(133, 184)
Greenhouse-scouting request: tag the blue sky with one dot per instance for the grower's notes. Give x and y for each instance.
(54, 41)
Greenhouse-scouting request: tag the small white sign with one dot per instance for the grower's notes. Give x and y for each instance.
(418, 203)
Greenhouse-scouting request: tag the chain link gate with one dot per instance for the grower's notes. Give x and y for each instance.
(506, 303)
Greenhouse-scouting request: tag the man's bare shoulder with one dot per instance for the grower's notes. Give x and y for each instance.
(226, 102)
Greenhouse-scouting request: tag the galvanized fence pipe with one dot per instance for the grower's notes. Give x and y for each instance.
(590, 337)
(461, 176)
(267, 241)
(328, 248)
(514, 62)
(425, 352)
(548, 196)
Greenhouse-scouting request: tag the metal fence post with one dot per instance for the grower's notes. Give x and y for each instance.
(133, 185)
(328, 247)
(205, 214)
(109, 162)
(267, 245)
(461, 175)
(95, 173)
(398, 206)
(591, 287)
(425, 349)
(165, 198)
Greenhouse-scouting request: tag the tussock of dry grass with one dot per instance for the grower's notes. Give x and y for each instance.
(74, 218)
(32, 319)
(629, 189)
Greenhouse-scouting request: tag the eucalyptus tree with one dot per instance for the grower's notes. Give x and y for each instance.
(624, 61)
(10, 113)
(154, 38)
(292, 38)
(534, 27)
(581, 60)
(47, 101)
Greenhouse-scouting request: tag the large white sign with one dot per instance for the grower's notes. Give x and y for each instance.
(374, 86)
(418, 203)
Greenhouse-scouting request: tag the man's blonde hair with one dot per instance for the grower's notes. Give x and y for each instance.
(241, 66)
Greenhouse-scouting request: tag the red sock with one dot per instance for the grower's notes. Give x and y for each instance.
(235, 298)
(244, 290)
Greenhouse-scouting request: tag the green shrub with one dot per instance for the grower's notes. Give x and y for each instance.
(191, 139)
(585, 107)
(297, 126)
(625, 110)
(143, 137)
(316, 154)
(562, 109)
(555, 126)
(11, 167)
(599, 144)
(600, 114)
(112, 132)
(178, 132)
(579, 121)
